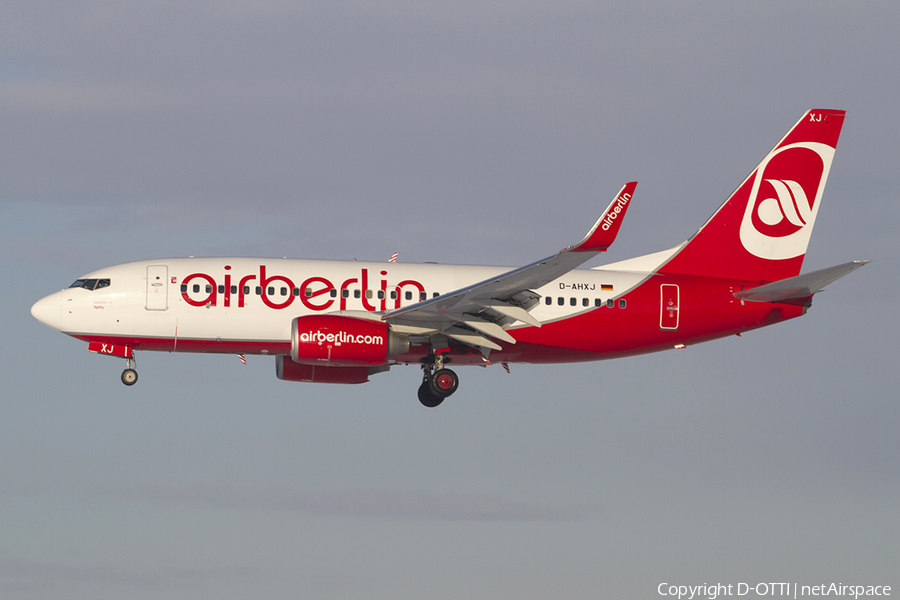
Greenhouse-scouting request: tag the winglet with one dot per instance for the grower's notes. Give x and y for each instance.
(603, 233)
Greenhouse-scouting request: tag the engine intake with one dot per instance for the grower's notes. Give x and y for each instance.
(337, 340)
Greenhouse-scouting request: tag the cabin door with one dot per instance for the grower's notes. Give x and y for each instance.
(668, 306)
(157, 287)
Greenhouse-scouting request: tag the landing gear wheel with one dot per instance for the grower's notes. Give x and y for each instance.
(443, 383)
(428, 399)
(129, 376)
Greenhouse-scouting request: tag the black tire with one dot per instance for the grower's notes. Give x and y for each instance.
(428, 399)
(129, 377)
(443, 383)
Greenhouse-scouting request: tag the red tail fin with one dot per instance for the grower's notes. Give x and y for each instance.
(763, 229)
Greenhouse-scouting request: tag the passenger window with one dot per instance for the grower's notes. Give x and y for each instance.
(573, 302)
(598, 302)
(381, 294)
(584, 302)
(561, 301)
(435, 295)
(621, 302)
(259, 290)
(295, 292)
(423, 296)
(345, 293)
(610, 303)
(183, 288)
(548, 300)
(393, 294)
(234, 289)
(357, 294)
(208, 289)
(246, 289)
(284, 291)
(408, 295)
(369, 294)
(332, 292)
(196, 288)
(221, 289)
(270, 290)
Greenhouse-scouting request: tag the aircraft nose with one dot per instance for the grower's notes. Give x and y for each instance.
(47, 310)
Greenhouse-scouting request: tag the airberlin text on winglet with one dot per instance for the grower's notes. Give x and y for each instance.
(605, 230)
(619, 205)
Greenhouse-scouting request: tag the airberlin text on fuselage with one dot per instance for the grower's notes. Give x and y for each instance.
(314, 292)
(613, 212)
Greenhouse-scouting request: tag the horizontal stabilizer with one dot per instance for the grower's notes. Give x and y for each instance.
(800, 287)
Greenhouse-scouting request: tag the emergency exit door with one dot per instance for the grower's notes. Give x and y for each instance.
(668, 306)
(157, 287)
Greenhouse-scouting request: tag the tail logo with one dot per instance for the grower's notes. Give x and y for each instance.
(784, 199)
(791, 204)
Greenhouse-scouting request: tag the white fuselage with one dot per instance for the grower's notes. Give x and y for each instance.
(247, 305)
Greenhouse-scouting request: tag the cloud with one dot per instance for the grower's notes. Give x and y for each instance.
(371, 504)
(68, 96)
(19, 575)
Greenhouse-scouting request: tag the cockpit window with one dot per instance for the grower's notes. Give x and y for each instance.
(90, 284)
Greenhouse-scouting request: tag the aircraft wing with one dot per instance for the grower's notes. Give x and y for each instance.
(491, 306)
(793, 290)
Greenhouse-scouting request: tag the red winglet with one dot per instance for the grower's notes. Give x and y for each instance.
(604, 232)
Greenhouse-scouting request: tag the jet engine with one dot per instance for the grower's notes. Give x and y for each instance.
(289, 370)
(341, 341)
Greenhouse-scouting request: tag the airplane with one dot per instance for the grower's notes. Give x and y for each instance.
(329, 321)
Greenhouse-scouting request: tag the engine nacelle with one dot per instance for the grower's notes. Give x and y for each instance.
(289, 370)
(337, 340)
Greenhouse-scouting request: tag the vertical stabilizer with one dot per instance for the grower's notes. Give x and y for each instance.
(763, 229)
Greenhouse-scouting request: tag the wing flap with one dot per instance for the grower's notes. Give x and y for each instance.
(488, 327)
(512, 311)
(470, 337)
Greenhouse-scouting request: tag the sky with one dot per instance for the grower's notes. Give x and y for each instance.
(488, 132)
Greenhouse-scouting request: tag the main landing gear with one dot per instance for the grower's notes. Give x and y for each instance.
(437, 383)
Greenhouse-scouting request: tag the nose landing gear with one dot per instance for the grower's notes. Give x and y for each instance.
(129, 375)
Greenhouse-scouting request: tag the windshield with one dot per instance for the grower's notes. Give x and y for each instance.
(90, 284)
